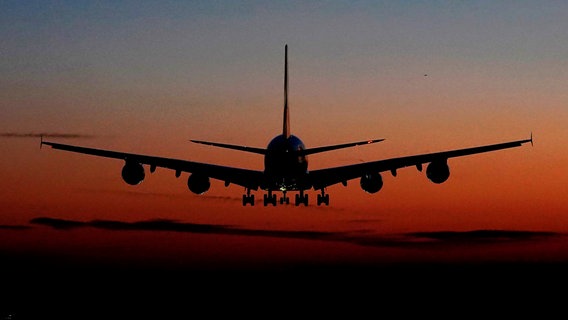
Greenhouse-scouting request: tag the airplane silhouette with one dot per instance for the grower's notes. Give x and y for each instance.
(286, 165)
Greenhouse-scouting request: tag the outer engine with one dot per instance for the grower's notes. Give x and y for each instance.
(438, 171)
(133, 173)
(371, 182)
(198, 183)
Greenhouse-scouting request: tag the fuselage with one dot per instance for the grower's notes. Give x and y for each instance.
(285, 165)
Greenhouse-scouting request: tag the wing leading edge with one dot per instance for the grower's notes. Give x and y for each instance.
(250, 179)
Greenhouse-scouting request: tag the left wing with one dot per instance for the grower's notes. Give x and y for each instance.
(250, 179)
(326, 177)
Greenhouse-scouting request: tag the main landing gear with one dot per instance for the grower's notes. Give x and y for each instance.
(248, 198)
(301, 198)
(270, 198)
(323, 198)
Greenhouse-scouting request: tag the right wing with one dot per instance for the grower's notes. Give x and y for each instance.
(250, 179)
(326, 177)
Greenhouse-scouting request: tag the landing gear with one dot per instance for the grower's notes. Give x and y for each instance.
(301, 198)
(248, 198)
(269, 198)
(284, 199)
(323, 198)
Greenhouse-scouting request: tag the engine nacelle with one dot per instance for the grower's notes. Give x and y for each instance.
(371, 182)
(133, 173)
(198, 183)
(438, 171)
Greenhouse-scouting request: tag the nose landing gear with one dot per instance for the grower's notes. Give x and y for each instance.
(284, 199)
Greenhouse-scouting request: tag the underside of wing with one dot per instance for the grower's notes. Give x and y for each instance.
(198, 182)
(437, 171)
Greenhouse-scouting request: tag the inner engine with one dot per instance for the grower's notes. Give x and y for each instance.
(371, 182)
(198, 184)
(133, 173)
(438, 171)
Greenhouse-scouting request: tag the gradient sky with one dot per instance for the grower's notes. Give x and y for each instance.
(145, 77)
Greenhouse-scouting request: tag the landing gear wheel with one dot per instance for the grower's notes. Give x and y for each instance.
(270, 198)
(284, 198)
(248, 199)
(323, 198)
(302, 198)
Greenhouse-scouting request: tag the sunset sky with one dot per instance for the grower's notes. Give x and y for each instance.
(147, 76)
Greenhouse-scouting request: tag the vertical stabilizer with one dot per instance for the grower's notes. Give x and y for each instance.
(286, 125)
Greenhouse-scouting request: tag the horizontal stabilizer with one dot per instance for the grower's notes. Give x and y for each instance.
(231, 146)
(339, 146)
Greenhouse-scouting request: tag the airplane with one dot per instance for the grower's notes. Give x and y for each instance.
(286, 165)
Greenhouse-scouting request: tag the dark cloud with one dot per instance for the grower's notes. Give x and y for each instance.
(44, 134)
(172, 225)
(359, 237)
(57, 223)
(482, 235)
(13, 227)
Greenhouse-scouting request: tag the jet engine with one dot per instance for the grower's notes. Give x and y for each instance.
(438, 171)
(133, 173)
(198, 183)
(371, 182)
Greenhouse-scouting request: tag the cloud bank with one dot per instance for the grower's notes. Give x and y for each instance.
(359, 237)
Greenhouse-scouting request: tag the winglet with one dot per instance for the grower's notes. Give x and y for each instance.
(532, 145)
(40, 141)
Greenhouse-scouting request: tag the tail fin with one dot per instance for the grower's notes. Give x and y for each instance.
(286, 125)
